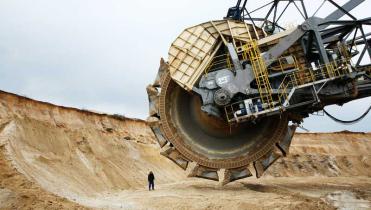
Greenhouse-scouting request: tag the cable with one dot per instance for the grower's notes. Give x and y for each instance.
(351, 121)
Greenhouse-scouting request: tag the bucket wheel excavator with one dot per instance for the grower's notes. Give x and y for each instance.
(226, 103)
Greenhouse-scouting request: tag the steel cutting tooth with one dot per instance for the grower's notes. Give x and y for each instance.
(234, 174)
(163, 68)
(176, 157)
(154, 123)
(153, 96)
(264, 163)
(205, 173)
(259, 169)
(284, 145)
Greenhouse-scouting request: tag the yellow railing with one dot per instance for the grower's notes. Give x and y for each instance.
(283, 95)
(223, 60)
(229, 63)
(252, 52)
(303, 76)
(343, 48)
(300, 77)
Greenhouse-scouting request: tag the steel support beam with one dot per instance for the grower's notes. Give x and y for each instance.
(344, 10)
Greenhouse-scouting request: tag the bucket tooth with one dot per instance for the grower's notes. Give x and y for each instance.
(205, 173)
(281, 149)
(153, 96)
(284, 145)
(259, 169)
(176, 157)
(265, 162)
(231, 175)
(154, 123)
(164, 67)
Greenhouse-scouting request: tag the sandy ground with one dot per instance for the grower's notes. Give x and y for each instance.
(55, 157)
(266, 193)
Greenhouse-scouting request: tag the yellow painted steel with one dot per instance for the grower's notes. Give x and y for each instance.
(229, 63)
(219, 60)
(301, 76)
(309, 75)
(259, 68)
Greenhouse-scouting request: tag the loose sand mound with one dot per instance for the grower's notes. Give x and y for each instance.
(49, 153)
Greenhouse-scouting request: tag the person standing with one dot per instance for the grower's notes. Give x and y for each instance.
(151, 181)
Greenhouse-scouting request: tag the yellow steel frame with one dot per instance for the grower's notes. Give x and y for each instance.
(252, 51)
(308, 75)
(225, 60)
(301, 76)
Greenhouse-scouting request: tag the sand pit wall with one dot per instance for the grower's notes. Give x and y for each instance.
(343, 154)
(73, 153)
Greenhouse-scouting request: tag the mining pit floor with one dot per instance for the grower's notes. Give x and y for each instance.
(54, 157)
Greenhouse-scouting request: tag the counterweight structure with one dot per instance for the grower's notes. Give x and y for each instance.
(228, 100)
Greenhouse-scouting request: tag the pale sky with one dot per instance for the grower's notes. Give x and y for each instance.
(101, 55)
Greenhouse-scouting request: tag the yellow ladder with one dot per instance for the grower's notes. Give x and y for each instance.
(260, 71)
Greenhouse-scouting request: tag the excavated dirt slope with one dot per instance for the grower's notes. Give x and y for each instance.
(54, 157)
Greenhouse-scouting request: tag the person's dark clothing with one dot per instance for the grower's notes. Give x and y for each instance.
(151, 181)
(151, 185)
(151, 177)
